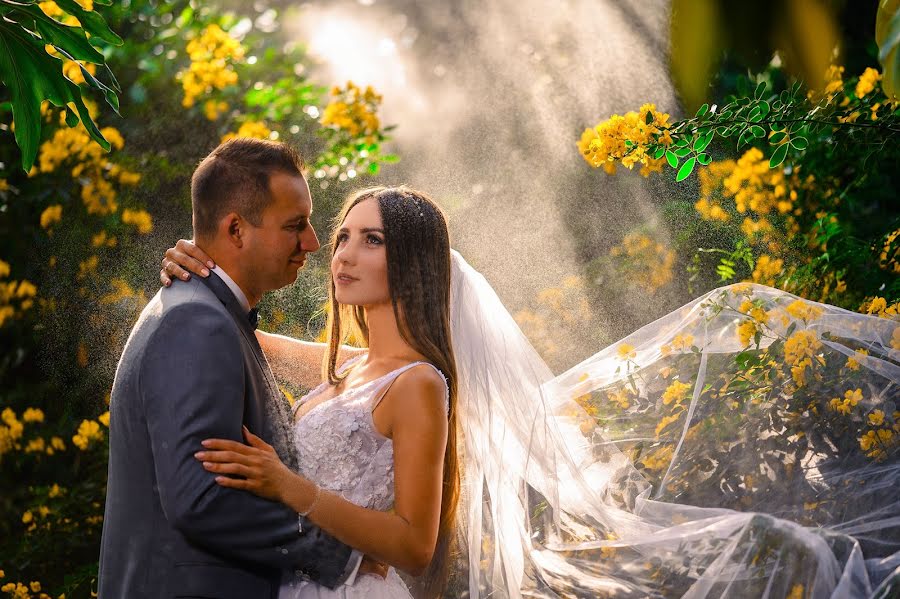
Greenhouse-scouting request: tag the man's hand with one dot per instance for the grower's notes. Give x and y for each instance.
(370, 566)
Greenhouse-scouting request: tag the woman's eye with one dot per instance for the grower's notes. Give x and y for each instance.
(341, 238)
(374, 239)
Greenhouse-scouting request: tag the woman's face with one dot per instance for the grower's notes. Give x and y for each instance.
(359, 264)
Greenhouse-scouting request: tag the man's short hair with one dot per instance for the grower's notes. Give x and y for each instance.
(235, 178)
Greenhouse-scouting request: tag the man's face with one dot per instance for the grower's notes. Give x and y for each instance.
(277, 248)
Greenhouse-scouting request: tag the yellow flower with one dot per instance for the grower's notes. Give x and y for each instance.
(55, 491)
(626, 139)
(676, 393)
(626, 352)
(802, 344)
(4, 269)
(767, 268)
(35, 586)
(27, 517)
(213, 109)
(33, 415)
(867, 82)
(853, 361)
(666, 421)
(51, 214)
(104, 419)
(895, 338)
(57, 443)
(212, 55)
(647, 263)
(253, 129)
(804, 310)
(876, 418)
(796, 592)
(88, 430)
(746, 331)
(798, 371)
(141, 219)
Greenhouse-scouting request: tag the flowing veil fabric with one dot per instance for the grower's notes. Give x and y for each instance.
(745, 445)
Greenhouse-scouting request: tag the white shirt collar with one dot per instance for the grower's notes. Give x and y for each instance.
(235, 289)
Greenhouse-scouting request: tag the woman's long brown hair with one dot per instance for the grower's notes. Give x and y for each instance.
(417, 242)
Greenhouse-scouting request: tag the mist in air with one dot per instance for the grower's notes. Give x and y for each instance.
(489, 99)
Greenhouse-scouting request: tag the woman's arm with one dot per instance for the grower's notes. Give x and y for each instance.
(298, 362)
(405, 538)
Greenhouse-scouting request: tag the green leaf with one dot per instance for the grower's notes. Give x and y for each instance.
(71, 39)
(71, 117)
(800, 143)
(649, 118)
(659, 152)
(757, 131)
(629, 143)
(91, 21)
(682, 152)
(778, 155)
(186, 16)
(672, 159)
(760, 90)
(703, 141)
(702, 111)
(686, 169)
(777, 138)
(32, 75)
(374, 168)
(704, 159)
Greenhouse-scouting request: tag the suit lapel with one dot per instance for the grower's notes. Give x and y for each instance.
(276, 406)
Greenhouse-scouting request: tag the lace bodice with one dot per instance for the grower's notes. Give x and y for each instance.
(339, 447)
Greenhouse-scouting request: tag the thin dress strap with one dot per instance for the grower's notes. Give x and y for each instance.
(379, 395)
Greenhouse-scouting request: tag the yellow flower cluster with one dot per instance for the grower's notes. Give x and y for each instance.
(658, 459)
(604, 144)
(353, 111)
(804, 311)
(711, 178)
(867, 82)
(88, 431)
(19, 590)
(253, 129)
(12, 430)
(879, 307)
(91, 168)
(679, 343)
(212, 55)
(676, 393)
(766, 269)
(648, 263)
(563, 304)
(876, 443)
(846, 405)
(746, 332)
(756, 187)
(889, 257)
(620, 397)
(799, 351)
(666, 421)
(141, 219)
(833, 85)
(853, 361)
(50, 215)
(213, 109)
(16, 297)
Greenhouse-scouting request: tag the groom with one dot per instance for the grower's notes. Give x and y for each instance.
(191, 370)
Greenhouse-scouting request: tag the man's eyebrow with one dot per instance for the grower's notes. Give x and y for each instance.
(297, 218)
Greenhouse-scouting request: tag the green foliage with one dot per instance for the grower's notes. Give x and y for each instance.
(32, 75)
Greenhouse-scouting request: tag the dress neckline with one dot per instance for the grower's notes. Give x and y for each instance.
(346, 366)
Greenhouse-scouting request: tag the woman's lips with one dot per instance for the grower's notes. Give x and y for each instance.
(344, 280)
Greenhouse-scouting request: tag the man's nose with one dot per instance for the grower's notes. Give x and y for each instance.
(309, 241)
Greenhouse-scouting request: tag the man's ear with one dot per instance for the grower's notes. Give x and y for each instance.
(233, 228)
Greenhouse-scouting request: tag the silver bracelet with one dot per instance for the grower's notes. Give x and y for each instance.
(302, 515)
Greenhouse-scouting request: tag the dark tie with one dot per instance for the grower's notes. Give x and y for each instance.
(253, 317)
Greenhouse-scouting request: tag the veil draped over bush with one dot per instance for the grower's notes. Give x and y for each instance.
(745, 445)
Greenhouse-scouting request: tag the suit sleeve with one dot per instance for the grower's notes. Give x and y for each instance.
(192, 383)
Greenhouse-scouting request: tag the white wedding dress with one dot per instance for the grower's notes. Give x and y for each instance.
(340, 450)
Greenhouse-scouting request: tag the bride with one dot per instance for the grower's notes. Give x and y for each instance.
(745, 445)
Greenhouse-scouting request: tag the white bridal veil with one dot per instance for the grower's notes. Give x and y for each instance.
(745, 445)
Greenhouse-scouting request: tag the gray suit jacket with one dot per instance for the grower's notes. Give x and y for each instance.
(192, 369)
